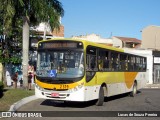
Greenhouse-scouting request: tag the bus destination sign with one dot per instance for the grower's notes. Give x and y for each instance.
(52, 45)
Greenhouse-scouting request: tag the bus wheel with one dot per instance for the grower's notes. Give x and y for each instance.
(101, 97)
(134, 90)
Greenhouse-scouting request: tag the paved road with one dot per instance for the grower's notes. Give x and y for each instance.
(145, 100)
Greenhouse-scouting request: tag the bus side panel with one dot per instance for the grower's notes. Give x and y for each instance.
(91, 92)
(113, 81)
(117, 88)
(141, 79)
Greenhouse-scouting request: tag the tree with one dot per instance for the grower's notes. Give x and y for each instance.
(10, 36)
(32, 12)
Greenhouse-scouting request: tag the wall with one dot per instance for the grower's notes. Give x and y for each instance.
(59, 33)
(151, 37)
(94, 38)
(117, 42)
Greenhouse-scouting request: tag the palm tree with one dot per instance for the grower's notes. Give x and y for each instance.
(32, 12)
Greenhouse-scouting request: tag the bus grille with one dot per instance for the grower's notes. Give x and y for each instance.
(56, 89)
(61, 95)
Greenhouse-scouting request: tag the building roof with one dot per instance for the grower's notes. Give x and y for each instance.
(137, 46)
(127, 39)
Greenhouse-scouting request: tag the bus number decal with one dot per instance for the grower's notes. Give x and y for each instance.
(64, 86)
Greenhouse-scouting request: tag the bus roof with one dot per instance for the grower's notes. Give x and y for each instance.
(86, 43)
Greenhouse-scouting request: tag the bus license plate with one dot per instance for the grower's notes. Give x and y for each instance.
(55, 94)
(64, 87)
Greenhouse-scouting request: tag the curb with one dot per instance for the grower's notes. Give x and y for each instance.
(18, 104)
(151, 87)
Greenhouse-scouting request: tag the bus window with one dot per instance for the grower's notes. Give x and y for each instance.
(100, 63)
(141, 63)
(115, 61)
(133, 61)
(131, 64)
(137, 63)
(106, 63)
(103, 62)
(144, 63)
(91, 59)
(124, 62)
(66, 64)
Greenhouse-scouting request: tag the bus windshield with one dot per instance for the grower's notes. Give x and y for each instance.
(60, 64)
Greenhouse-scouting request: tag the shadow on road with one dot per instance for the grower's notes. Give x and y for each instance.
(107, 99)
(68, 103)
(81, 104)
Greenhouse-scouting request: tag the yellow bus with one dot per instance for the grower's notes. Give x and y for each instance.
(80, 70)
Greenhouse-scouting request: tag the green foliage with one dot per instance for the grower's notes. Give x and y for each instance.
(15, 60)
(37, 11)
(12, 59)
(1, 85)
(12, 14)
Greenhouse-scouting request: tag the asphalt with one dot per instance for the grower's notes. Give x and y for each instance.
(15, 106)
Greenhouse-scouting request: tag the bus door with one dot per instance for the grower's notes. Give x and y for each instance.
(91, 70)
(91, 64)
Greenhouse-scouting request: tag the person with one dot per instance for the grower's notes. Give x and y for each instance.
(93, 63)
(106, 63)
(29, 80)
(15, 79)
(100, 63)
(21, 83)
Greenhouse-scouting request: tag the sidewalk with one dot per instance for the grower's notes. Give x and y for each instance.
(153, 86)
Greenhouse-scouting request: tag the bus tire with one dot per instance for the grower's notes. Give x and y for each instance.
(101, 97)
(134, 90)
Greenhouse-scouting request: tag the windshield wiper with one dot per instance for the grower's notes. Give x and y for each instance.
(55, 80)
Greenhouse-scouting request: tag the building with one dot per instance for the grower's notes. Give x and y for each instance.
(59, 33)
(151, 40)
(95, 38)
(156, 67)
(151, 37)
(44, 29)
(126, 42)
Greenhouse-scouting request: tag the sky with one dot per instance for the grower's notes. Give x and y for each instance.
(125, 18)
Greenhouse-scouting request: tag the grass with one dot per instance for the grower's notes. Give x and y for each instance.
(11, 96)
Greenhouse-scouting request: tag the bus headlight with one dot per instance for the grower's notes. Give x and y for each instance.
(39, 88)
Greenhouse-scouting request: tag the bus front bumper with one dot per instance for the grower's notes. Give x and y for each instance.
(69, 95)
